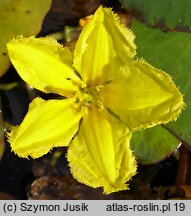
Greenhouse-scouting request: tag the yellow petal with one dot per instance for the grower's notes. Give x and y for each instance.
(47, 124)
(44, 64)
(142, 96)
(99, 155)
(101, 44)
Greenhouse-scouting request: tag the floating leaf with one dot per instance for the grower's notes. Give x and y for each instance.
(153, 145)
(172, 14)
(21, 17)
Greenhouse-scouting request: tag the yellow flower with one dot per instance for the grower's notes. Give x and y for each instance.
(107, 94)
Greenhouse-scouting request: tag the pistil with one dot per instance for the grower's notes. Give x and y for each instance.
(90, 97)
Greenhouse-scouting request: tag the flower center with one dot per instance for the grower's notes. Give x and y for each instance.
(90, 97)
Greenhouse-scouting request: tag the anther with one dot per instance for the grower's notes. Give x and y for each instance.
(99, 105)
(99, 87)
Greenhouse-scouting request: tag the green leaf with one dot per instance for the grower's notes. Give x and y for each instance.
(172, 13)
(153, 144)
(171, 53)
(21, 17)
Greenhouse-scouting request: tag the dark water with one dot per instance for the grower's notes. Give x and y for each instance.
(15, 173)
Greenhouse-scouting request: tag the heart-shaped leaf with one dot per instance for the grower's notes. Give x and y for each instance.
(153, 144)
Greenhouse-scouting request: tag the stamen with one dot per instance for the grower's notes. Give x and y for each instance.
(89, 98)
(84, 110)
(99, 87)
(99, 105)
